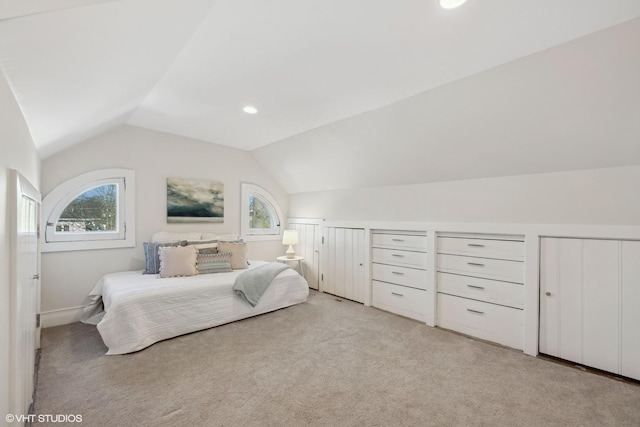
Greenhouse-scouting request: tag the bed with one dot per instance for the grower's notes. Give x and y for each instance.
(133, 310)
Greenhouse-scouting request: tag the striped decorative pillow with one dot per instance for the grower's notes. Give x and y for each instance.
(214, 263)
(204, 246)
(152, 256)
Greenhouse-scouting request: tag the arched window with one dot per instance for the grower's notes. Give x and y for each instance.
(91, 211)
(260, 214)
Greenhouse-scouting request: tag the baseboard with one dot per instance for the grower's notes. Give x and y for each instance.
(60, 317)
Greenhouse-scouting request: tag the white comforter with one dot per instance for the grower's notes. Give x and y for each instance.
(142, 309)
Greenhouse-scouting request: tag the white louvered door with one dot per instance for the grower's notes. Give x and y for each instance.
(343, 259)
(309, 247)
(589, 299)
(630, 321)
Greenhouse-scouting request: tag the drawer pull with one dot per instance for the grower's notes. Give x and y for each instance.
(397, 240)
(475, 311)
(475, 287)
(548, 294)
(475, 245)
(398, 255)
(398, 273)
(475, 264)
(397, 294)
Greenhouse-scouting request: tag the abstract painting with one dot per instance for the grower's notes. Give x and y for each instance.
(193, 200)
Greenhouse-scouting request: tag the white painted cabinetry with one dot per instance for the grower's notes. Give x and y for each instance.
(399, 272)
(343, 263)
(480, 286)
(590, 303)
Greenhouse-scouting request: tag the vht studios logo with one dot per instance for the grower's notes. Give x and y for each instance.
(44, 418)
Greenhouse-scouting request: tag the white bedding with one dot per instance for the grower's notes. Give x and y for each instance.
(142, 309)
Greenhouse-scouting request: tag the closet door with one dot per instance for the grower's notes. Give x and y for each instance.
(343, 263)
(630, 362)
(601, 299)
(560, 296)
(309, 248)
(590, 294)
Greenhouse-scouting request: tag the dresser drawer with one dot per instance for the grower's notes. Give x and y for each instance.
(486, 248)
(411, 277)
(400, 241)
(493, 291)
(401, 300)
(510, 271)
(397, 257)
(486, 321)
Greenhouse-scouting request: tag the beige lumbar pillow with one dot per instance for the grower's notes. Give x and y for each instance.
(239, 258)
(178, 261)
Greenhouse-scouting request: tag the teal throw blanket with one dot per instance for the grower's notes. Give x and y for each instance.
(251, 284)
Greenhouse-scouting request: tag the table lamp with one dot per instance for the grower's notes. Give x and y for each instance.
(290, 238)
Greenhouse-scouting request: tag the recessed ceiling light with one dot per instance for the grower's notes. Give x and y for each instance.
(451, 4)
(250, 109)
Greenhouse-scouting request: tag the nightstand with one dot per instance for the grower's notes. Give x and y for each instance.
(283, 259)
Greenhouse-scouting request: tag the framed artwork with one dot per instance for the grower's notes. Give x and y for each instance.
(194, 200)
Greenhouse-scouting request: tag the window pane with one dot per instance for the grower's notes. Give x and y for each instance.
(94, 210)
(259, 214)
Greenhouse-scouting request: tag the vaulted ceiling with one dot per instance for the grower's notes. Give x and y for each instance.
(350, 94)
(82, 67)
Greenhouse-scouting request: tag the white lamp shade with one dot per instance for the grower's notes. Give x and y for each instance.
(290, 237)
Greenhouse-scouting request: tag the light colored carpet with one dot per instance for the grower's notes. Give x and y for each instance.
(322, 363)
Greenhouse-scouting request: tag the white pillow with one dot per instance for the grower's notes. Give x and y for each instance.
(178, 261)
(229, 237)
(167, 236)
(203, 245)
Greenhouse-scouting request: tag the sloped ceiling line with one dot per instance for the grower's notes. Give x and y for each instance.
(10, 9)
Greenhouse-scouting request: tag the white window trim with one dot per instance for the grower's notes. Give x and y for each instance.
(52, 236)
(57, 200)
(246, 189)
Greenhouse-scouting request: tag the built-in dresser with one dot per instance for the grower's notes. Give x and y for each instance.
(480, 286)
(399, 272)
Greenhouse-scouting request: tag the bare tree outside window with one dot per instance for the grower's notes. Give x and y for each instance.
(94, 210)
(260, 216)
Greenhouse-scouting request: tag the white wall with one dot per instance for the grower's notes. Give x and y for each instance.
(598, 196)
(67, 277)
(16, 152)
